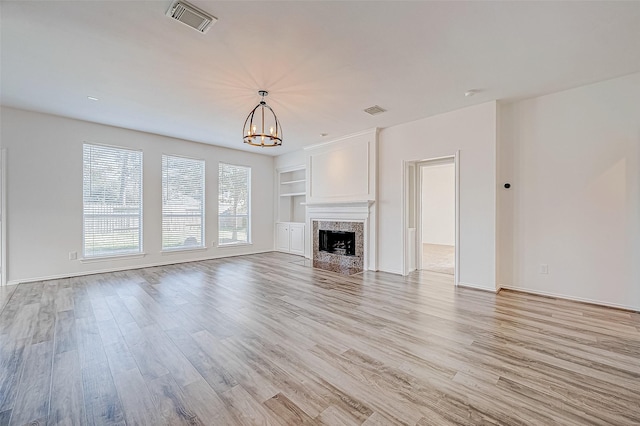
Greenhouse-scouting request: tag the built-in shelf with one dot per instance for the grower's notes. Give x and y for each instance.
(292, 191)
(293, 181)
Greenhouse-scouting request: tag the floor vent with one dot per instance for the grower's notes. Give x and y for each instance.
(192, 16)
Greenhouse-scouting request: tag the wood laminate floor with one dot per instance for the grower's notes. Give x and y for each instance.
(265, 340)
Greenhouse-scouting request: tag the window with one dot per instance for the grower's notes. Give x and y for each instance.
(234, 193)
(182, 203)
(112, 201)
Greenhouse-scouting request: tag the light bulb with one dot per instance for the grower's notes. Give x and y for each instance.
(271, 130)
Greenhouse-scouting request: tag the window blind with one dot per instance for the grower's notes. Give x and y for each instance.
(182, 203)
(112, 201)
(234, 193)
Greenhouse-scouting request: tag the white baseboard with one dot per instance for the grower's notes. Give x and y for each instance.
(127, 268)
(390, 271)
(475, 287)
(573, 298)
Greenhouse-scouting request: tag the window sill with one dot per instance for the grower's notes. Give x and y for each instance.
(229, 245)
(110, 258)
(182, 250)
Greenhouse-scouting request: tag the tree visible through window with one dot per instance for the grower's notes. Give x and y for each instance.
(234, 193)
(182, 203)
(112, 201)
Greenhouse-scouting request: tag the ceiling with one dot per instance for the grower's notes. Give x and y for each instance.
(322, 62)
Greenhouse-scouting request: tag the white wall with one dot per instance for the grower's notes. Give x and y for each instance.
(291, 159)
(438, 204)
(343, 170)
(573, 159)
(44, 217)
(471, 130)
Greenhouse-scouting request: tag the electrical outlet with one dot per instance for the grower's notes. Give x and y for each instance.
(544, 268)
(73, 255)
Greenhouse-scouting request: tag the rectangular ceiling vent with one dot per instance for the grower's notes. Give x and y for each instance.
(191, 16)
(375, 110)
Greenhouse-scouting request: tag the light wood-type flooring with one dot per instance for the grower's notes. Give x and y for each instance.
(263, 339)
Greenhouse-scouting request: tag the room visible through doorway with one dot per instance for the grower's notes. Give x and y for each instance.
(437, 232)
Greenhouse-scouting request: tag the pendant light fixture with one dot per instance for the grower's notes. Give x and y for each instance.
(262, 128)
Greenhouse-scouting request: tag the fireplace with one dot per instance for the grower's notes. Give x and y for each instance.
(339, 242)
(338, 246)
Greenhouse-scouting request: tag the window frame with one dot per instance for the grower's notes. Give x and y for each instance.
(248, 214)
(140, 252)
(203, 245)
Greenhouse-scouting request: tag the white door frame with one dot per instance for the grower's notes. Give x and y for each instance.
(411, 194)
(3, 216)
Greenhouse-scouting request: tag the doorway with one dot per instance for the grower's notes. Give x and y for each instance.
(414, 210)
(436, 216)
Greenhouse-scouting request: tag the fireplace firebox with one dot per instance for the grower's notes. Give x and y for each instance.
(338, 242)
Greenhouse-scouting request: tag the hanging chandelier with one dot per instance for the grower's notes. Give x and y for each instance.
(262, 128)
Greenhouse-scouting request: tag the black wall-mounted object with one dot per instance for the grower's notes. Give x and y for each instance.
(507, 185)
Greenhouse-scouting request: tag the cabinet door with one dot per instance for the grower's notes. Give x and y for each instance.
(297, 238)
(282, 237)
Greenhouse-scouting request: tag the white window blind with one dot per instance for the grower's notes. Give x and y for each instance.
(182, 203)
(234, 193)
(112, 201)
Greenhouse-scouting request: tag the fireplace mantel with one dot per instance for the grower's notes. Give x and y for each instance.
(340, 204)
(337, 211)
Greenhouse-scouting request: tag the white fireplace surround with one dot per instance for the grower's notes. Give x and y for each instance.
(341, 187)
(361, 211)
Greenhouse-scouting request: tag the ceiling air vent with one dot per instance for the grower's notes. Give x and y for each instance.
(191, 16)
(375, 110)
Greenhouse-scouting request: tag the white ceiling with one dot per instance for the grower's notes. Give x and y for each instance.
(323, 62)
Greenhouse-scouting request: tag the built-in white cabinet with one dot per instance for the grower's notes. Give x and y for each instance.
(282, 237)
(291, 214)
(296, 238)
(290, 237)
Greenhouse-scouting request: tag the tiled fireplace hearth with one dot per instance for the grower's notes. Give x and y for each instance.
(338, 246)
